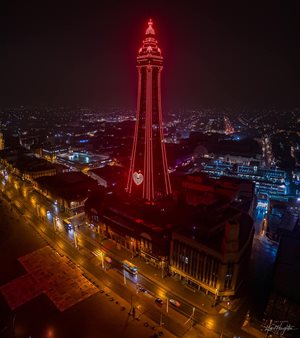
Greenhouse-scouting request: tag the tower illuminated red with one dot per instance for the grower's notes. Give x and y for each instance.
(148, 173)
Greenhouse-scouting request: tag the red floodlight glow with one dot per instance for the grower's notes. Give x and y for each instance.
(148, 164)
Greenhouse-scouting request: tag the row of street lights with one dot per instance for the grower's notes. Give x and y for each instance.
(132, 310)
(55, 220)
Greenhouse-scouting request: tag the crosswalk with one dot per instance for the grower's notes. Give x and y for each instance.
(97, 252)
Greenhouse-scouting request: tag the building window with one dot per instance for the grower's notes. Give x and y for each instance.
(228, 277)
(95, 218)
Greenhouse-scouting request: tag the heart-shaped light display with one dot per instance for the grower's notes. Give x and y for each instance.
(138, 178)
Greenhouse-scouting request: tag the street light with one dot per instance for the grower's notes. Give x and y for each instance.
(124, 277)
(216, 296)
(161, 318)
(38, 209)
(132, 248)
(54, 222)
(102, 259)
(130, 311)
(75, 239)
(162, 268)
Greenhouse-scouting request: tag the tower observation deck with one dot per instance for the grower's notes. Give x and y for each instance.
(148, 176)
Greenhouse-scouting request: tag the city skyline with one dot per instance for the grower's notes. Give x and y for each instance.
(140, 220)
(216, 55)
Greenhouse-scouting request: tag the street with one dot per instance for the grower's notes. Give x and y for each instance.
(82, 255)
(86, 248)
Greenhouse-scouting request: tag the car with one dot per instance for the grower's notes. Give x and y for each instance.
(159, 301)
(141, 289)
(108, 259)
(174, 302)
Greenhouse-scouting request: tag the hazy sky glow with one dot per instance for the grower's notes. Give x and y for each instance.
(221, 53)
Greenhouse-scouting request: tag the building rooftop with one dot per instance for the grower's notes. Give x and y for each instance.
(245, 148)
(282, 217)
(208, 227)
(70, 185)
(132, 214)
(29, 163)
(287, 267)
(111, 174)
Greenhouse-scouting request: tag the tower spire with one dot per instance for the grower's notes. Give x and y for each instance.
(150, 30)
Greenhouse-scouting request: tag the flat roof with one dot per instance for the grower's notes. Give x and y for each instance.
(31, 164)
(72, 185)
(109, 172)
(134, 215)
(287, 268)
(208, 227)
(82, 157)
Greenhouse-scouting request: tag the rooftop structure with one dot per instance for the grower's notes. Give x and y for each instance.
(82, 160)
(109, 176)
(272, 181)
(70, 189)
(26, 165)
(284, 299)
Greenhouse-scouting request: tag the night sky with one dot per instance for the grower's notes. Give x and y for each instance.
(217, 53)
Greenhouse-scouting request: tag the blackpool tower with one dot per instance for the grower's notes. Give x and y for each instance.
(148, 176)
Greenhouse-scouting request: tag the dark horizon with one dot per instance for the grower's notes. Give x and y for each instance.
(214, 55)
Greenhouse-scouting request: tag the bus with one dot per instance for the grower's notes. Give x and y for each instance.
(130, 267)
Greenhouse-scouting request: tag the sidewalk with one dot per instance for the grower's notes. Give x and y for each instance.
(119, 253)
(198, 299)
(143, 326)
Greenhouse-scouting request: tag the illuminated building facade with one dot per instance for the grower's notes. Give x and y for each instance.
(2, 144)
(148, 176)
(213, 254)
(204, 236)
(1, 141)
